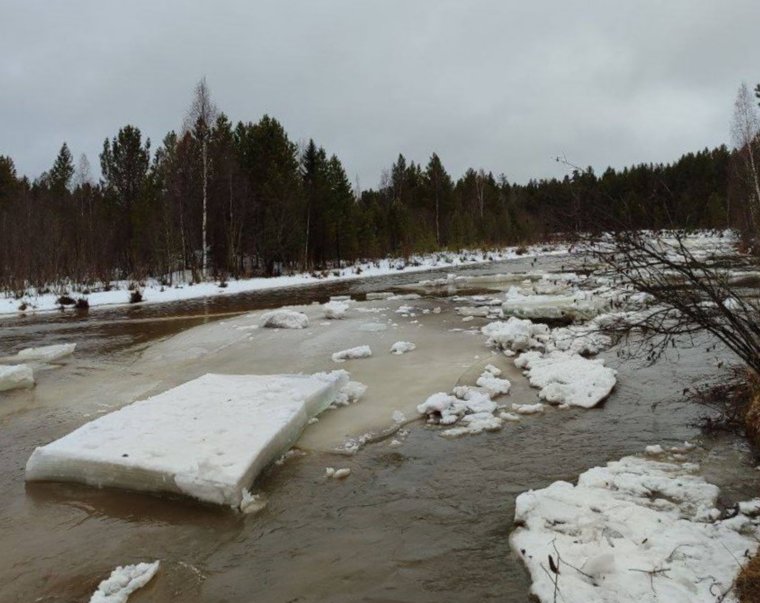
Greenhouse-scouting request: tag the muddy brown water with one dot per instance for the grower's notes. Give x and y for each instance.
(427, 521)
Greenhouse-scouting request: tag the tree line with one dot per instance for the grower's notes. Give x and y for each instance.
(222, 200)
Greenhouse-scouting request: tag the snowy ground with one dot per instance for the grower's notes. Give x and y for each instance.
(153, 292)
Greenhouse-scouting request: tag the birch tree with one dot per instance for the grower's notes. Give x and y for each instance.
(744, 131)
(199, 120)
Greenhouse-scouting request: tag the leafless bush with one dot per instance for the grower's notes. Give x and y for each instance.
(690, 294)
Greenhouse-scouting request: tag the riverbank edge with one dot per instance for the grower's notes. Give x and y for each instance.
(153, 292)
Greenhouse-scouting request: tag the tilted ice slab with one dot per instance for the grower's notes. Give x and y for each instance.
(15, 377)
(48, 353)
(208, 438)
(567, 378)
(636, 530)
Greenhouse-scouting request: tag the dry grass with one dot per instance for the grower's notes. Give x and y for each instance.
(729, 399)
(752, 419)
(748, 582)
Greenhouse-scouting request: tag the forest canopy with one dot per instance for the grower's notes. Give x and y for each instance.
(264, 204)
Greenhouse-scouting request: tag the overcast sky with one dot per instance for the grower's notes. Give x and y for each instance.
(498, 84)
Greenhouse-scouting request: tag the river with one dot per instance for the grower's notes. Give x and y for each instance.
(426, 521)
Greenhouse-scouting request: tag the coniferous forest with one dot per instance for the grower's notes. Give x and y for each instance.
(265, 205)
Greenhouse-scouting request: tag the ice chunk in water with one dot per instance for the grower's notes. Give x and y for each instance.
(567, 378)
(208, 438)
(123, 581)
(284, 319)
(16, 376)
(335, 309)
(402, 347)
(48, 353)
(361, 351)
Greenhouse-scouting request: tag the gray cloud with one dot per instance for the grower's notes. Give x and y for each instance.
(500, 84)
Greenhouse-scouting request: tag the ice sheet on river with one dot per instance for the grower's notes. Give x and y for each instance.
(208, 438)
(635, 530)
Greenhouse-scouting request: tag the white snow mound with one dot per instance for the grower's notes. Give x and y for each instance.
(123, 581)
(636, 530)
(208, 438)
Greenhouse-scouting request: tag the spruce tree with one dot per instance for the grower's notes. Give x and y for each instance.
(62, 172)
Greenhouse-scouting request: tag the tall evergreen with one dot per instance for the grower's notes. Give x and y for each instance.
(124, 163)
(62, 172)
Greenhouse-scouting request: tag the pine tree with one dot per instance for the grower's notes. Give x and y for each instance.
(62, 172)
(438, 185)
(124, 163)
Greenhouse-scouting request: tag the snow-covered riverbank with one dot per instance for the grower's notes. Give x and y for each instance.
(153, 292)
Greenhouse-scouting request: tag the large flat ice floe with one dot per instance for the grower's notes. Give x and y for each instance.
(15, 377)
(635, 530)
(208, 438)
